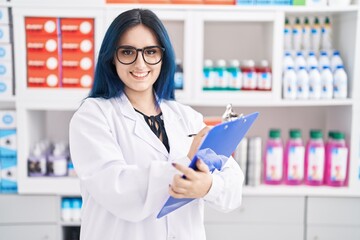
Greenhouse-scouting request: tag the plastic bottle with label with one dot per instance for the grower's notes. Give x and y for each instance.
(296, 35)
(287, 35)
(37, 162)
(311, 61)
(273, 158)
(337, 161)
(66, 212)
(299, 61)
(57, 161)
(315, 159)
(221, 79)
(249, 75)
(324, 60)
(326, 34)
(264, 76)
(289, 84)
(336, 61)
(179, 75)
(288, 61)
(235, 75)
(302, 82)
(316, 35)
(327, 83)
(314, 83)
(340, 83)
(306, 34)
(209, 75)
(294, 158)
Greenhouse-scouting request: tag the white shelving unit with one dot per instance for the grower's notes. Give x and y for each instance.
(200, 32)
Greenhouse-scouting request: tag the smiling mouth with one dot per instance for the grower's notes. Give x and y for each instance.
(140, 75)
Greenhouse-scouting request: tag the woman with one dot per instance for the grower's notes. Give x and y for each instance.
(130, 146)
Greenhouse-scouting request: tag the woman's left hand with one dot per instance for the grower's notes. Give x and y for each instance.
(196, 184)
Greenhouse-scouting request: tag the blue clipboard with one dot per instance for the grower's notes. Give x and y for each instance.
(223, 140)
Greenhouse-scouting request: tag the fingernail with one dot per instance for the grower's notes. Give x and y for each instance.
(174, 164)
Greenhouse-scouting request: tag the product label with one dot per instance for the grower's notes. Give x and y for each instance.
(338, 164)
(274, 163)
(209, 78)
(264, 81)
(296, 163)
(316, 164)
(250, 80)
(235, 81)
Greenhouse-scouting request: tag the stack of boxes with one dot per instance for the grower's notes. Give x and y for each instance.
(60, 52)
(8, 152)
(6, 66)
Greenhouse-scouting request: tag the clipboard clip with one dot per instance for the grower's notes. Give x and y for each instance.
(230, 115)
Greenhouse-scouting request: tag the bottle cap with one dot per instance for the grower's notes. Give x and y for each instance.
(274, 133)
(221, 63)
(306, 20)
(208, 63)
(264, 63)
(234, 63)
(295, 133)
(338, 135)
(316, 134)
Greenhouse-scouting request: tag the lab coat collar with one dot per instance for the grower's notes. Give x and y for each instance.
(143, 131)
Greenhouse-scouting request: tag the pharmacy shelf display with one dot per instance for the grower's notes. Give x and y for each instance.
(199, 33)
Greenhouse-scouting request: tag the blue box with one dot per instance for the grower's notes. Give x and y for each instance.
(8, 175)
(245, 2)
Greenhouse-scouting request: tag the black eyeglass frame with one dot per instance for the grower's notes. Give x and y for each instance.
(137, 53)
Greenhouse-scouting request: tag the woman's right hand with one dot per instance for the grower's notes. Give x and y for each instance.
(197, 141)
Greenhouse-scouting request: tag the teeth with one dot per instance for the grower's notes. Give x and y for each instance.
(140, 74)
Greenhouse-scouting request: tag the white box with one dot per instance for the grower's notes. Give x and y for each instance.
(8, 174)
(6, 88)
(5, 52)
(4, 33)
(8, 145)
(316, 2)
(4, 15)
(7, 119)
(6, 70)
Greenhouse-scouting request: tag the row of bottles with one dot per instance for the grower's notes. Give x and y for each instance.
(232, 76)
(308, 33)
(71, 209)
(314, 78)
(314, 164)
(48, 159)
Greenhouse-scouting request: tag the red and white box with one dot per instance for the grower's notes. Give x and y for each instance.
(37, 26)
(77, 27)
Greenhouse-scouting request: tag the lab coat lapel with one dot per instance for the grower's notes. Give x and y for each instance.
(172, 122)
(142, 130)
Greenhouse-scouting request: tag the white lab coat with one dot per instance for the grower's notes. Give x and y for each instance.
(125, 172)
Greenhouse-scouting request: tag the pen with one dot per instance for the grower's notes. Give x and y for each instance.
(192, 135)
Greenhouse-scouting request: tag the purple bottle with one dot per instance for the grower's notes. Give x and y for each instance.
(294, 159)
(315, 159)
(337, 161)
(273, 158)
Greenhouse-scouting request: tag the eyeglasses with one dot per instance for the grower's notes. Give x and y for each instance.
(127, 55)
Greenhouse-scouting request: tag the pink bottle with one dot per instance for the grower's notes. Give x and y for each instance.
(337, 161)
(294, 159)
(273, 158)
(315, 159)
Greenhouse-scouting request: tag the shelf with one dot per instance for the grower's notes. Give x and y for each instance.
(70, 224)
(209, 7)
(258, 99)
(49, 185)
(52, 99)
(282, 190)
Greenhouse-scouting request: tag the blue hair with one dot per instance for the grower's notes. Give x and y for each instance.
(107, 83)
